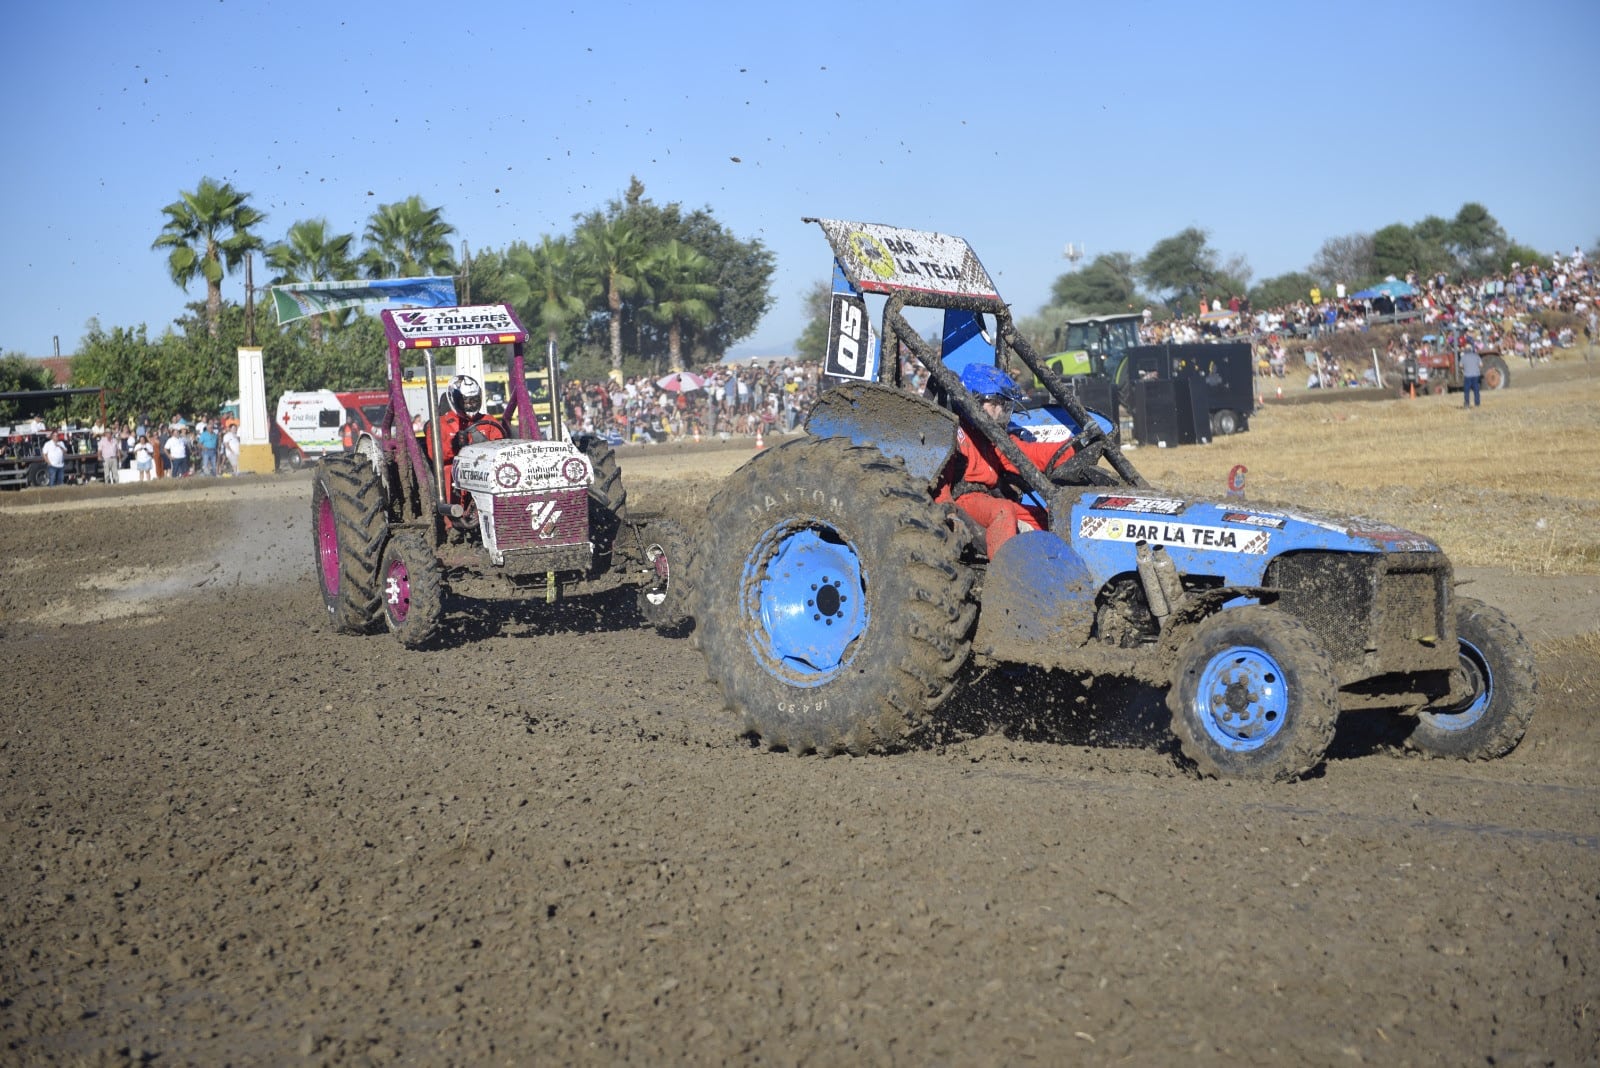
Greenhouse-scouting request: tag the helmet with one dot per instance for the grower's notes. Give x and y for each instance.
(464, 395)
(987, 380)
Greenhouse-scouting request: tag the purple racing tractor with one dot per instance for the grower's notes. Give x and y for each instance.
(477, 496)
(839, 593)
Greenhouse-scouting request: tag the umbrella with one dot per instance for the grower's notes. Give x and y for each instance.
(681, 382)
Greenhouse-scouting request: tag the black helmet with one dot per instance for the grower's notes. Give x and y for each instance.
(464, 395)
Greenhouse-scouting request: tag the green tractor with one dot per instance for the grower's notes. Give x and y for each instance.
(1095, 345)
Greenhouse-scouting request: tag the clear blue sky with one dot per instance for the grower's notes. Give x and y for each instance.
(1020, 127)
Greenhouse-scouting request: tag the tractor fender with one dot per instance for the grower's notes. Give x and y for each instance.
(1038, 601)
(897, 424)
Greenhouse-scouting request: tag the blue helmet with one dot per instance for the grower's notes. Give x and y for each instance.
(987, 380)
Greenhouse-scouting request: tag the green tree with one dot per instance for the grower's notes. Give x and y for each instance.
(613, 255)
(741, 272)
(17, 373)
(407, 239)
(1346, 259)
(1432, 241)
(1284, 289)
(1478, 241)
(1183, 267)
(1394, 251)
(812, 344)
(1106, 285)
(310, 253)
(1518, 254)
(207, 234)
(545, 285)
(676, 275)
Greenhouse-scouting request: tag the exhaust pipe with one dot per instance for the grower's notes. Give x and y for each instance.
(1163, 586)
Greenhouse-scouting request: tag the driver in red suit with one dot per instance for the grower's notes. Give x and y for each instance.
(462, 422)
(972, 477)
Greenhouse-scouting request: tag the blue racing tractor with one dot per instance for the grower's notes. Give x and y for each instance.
(843, 582)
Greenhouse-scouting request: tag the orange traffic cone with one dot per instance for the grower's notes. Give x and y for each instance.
(697, 433)
(760, 444)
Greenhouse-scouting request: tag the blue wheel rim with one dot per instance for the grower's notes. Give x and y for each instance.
(804, 603)
(1243, 698)
(1461, 716)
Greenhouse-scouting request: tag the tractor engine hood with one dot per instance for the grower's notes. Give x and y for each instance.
(503, 467)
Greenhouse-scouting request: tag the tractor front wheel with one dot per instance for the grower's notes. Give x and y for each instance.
(1502, 683)
(1254, 696)
(665, 596)
(413, 589)
(832, 605)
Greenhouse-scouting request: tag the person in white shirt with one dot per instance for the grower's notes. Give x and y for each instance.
(55, 458)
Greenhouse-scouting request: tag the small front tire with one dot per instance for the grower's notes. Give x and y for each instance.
(413, 589)
(1504, 683)
(1253, 696)
(664, 599)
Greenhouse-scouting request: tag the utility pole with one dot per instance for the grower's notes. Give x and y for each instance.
(466, 274)
(249, 300)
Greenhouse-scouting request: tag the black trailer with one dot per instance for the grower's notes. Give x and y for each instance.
(1188, 394)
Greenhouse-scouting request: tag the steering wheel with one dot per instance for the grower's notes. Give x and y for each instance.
(1088, 445)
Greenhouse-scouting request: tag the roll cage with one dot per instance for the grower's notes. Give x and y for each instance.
(924, 269)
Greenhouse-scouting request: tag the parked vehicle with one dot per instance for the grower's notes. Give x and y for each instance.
(310, 424)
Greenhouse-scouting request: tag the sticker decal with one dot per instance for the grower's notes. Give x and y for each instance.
(1186, 535)
(1276, 522)
(1148, 505)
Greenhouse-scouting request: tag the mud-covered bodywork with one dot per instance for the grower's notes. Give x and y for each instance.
(844, 586)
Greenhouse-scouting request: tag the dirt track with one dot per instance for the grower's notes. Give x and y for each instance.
(232, 836)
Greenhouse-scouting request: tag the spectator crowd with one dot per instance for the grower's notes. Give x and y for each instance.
(1525, 313)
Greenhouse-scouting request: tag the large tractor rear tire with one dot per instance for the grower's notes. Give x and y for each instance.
(1499, 666)
(348, 529)
(1254, 696)
(833, 608)
(608, 498)
(1496, 374)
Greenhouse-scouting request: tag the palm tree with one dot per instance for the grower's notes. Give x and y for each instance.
(613, 255)
(544, 284)
(678, 279)
(208, 233)
(311, 254)
(407, 239)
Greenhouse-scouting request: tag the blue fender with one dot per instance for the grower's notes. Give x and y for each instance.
(896, 423)
(1038, 601)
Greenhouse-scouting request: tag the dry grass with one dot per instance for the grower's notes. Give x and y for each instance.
(1513, 484)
